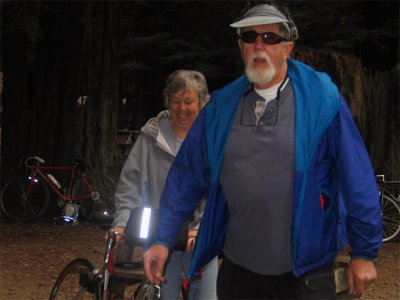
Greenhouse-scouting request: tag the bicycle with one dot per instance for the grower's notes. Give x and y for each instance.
(390, 207)
(80, 280)
(25, 198)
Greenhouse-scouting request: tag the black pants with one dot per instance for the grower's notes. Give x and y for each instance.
(236, 282)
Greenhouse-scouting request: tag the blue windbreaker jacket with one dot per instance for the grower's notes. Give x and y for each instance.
(335, 197)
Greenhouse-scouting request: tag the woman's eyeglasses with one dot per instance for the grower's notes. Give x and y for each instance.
(269, 38)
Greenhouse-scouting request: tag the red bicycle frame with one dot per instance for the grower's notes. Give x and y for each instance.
(66, 195)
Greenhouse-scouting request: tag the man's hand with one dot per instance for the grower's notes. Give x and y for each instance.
(154, 260)
(360, 274)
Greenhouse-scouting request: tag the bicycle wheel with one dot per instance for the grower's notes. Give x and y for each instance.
(76, 281)
(101, 199)
(390, 218)
(24, 199)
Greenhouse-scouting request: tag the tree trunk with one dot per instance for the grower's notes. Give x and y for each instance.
(77, 56)
(15, 68)
(98, 80)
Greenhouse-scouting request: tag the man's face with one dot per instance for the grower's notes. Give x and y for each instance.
(265, 64)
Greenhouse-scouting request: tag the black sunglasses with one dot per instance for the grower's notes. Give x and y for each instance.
(269, 38)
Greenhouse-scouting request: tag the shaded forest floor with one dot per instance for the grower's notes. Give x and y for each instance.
(32, 256)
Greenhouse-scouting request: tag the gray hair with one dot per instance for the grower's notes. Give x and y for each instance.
(182, 80)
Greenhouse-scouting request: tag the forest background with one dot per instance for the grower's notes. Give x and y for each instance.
(78, 73)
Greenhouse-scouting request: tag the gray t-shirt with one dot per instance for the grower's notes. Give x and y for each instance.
(257, 177)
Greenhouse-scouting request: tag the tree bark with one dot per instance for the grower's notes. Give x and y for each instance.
(98, 80)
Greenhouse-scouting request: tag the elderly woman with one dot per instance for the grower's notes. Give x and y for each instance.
(145, 170)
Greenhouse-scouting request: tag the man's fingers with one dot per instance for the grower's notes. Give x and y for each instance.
(350, 282)
(148, 269)
(358, 288)
(158, 271)
(153, 269)
(361, 273)
(153, 261)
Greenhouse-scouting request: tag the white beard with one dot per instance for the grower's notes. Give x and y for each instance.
(260, 76)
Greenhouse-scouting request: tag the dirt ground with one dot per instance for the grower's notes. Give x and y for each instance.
(32, 256)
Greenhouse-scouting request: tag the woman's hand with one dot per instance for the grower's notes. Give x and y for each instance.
(119, 238)
(191, 240)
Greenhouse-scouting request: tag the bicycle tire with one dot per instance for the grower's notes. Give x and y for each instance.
(20, 205)
(101, 202)
(390, 218)
(76, 282)
(146, 291)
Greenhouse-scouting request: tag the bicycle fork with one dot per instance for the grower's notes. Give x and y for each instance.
(25, 191)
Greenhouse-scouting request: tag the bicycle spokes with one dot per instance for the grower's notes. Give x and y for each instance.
(24, 198)
(96, 191)
(390, 218)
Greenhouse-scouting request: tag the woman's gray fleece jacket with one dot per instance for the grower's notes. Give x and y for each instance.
(143, 176)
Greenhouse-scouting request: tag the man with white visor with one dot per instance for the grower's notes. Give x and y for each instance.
(288, 179)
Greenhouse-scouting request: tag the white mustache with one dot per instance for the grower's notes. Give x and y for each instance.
(259, 55)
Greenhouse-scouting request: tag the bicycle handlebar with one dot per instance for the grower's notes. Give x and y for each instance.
(36, 158)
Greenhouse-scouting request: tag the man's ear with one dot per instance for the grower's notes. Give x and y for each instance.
(289, 48)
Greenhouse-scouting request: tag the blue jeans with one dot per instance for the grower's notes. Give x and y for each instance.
(199, 289)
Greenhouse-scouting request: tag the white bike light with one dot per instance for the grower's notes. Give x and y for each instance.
(145, 225)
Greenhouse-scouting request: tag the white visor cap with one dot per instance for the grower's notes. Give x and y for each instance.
(259, 15)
